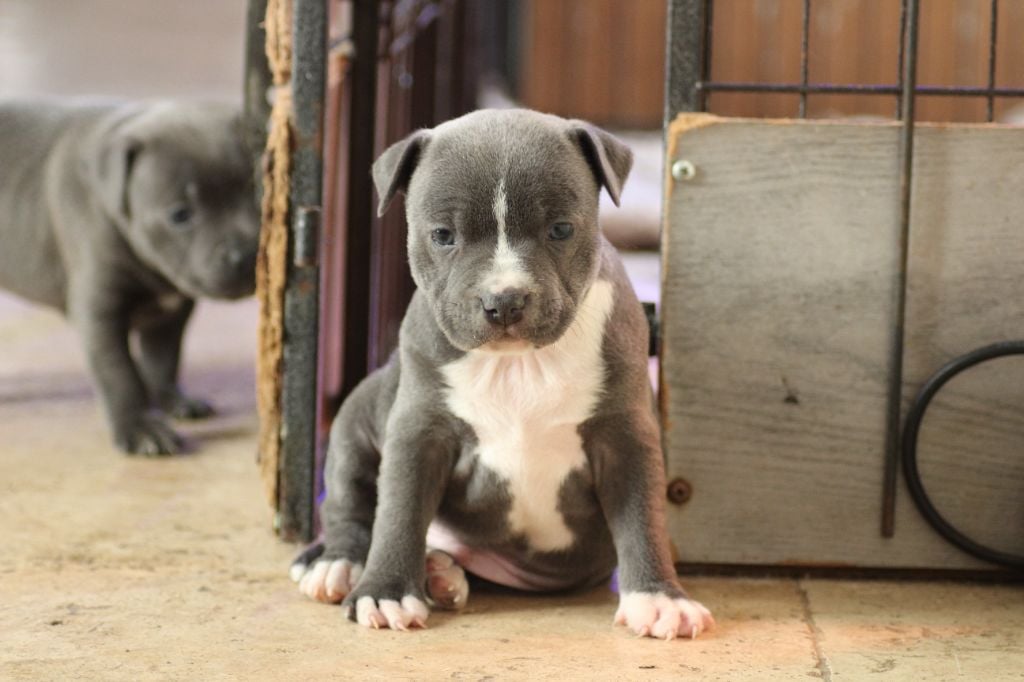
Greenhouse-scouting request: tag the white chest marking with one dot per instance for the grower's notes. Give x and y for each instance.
(506, 271)
(525, 409)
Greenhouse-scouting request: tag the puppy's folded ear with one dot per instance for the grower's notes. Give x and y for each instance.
(393, 169)
(609, 157)
(109, 170)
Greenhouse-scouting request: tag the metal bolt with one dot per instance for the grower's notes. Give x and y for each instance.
(683, 170)
(679, 491)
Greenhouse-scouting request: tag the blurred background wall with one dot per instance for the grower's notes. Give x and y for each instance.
(122, 48)
(604, 59)
(597, 59)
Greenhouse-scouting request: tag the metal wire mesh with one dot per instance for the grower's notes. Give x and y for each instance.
(697, 85)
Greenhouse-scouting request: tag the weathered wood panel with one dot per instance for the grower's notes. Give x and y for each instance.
(779, 287)
(966, 290)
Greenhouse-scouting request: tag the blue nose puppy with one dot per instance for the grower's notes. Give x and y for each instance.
(513, 433)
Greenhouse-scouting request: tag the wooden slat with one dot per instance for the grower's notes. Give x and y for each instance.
(543, 61)
(840, 34)
(780, 261)
(597, 59)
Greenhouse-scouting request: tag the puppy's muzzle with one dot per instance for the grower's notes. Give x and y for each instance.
(240, 260)
(506, 308)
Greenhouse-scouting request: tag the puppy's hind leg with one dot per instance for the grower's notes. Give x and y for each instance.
(447, 585)
(328, 570)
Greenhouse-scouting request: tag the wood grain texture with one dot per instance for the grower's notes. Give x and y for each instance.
(779, 288)
(966, 290)
(600, 60)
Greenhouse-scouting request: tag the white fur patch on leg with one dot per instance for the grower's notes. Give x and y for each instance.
(658, 615)
(296, 571)
(328, 581)
(368, 615)
(447, 586)
(388, 613)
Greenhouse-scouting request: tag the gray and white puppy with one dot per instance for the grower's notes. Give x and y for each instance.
(120, 216)
(513, 434)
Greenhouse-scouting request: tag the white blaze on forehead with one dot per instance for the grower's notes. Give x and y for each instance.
(507, 270)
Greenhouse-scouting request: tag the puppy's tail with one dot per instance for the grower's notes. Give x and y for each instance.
(305, 558)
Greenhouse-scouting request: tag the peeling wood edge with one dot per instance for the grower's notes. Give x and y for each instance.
(682, 124)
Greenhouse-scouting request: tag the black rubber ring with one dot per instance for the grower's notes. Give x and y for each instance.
(910, 431)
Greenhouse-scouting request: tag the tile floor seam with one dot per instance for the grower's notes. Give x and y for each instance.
(824, 667)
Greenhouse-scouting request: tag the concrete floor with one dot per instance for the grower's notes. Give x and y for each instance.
(117, 568)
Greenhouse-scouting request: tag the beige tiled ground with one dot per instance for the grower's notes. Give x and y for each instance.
(116, 568)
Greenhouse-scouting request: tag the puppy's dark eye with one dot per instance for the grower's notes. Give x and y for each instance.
(181, 215)
(442, 236)
(560, 231)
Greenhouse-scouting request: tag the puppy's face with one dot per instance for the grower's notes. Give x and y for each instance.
(186, 201)
(502, 214)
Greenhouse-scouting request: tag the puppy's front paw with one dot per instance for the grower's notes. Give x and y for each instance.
(327, 580)
(149, 436)
(180, 406)
(386, 608)
(656, 614)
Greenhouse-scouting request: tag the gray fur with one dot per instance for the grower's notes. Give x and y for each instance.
(86, 197)
(397, 449)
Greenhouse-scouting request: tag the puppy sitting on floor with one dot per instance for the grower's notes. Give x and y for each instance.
(513, 434)
(120, 216)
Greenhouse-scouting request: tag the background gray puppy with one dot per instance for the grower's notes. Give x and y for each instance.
(514, 431)
(120, 216)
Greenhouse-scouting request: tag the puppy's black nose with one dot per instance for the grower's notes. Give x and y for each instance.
(240, 259)
(505, 308)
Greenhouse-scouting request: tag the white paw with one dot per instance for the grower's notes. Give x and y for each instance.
(447, 586)
(388, 613)
(659, 615)
(326, 580)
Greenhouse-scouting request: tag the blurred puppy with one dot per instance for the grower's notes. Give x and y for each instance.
(120, 216)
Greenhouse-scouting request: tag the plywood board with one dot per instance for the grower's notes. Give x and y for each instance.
(966, 290)
(780, 280)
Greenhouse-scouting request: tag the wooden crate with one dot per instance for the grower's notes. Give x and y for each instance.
(780, 280)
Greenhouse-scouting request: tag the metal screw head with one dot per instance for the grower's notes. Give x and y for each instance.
(683, 170)
(679, 491)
